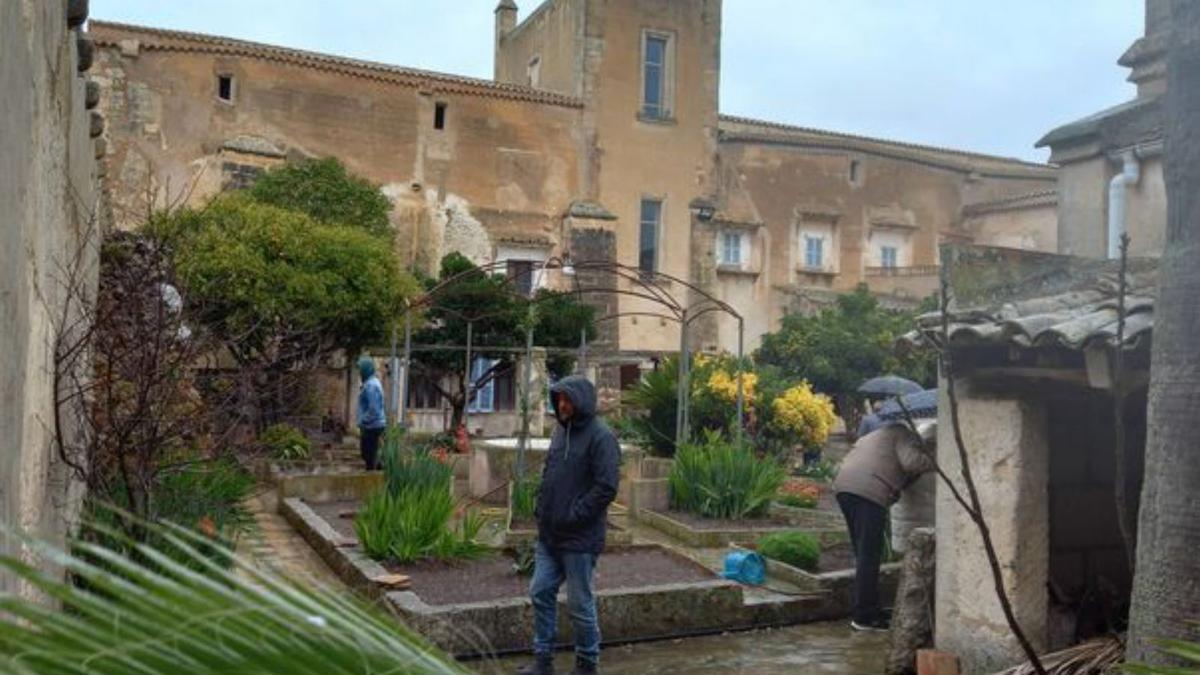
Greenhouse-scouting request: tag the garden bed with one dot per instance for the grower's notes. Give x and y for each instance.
(700, 532)
(493, 578)
(650, 603)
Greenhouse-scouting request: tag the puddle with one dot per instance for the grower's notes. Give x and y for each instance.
(825, 648)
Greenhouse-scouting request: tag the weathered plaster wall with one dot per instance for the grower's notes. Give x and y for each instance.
(1032, 228)
(672, 160)
(500, 167)
(1008, 447)
(796, 189)
(1083, 208)
(553, 34)
(47, 203)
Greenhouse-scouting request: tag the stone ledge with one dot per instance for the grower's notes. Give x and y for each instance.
(717, 538)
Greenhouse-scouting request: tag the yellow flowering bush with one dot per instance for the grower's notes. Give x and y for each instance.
(723, 386)
(805, 414)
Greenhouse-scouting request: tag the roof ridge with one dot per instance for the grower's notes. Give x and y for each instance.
(874, 139)
(362, 67)
(1012, 199)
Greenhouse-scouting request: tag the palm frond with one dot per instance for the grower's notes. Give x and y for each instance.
(178, 611)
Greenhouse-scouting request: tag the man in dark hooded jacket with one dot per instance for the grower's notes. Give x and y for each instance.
(579, 481)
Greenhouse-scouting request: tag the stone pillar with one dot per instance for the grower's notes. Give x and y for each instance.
(912, 615)
(1007, 446)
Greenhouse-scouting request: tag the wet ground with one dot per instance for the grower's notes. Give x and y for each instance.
(820, 648)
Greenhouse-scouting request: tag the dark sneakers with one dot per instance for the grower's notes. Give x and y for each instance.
(542, 665)
(878, 625)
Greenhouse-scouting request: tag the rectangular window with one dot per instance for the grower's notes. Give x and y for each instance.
(654, 76)
(887, 256)
(651, 224)
(484, 400)
(814, 253)
(731, 248)
(439, 116)
(533, 73)
(225, 87)
(521, 275)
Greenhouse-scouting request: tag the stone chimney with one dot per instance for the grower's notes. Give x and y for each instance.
(1147, 58)
(506, 20)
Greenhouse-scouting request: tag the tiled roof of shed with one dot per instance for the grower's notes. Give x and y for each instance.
(109, 34)
(1077, 316)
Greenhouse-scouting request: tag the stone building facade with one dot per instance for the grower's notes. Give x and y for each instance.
(1111, 175)
(48, 252)
(600, 137)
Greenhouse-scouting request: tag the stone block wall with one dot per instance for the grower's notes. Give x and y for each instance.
(49, 220)
(1007, 444)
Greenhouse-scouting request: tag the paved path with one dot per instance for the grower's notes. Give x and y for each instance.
(273, 543)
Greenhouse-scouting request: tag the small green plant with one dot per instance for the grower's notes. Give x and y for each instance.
(412, 467)
(524, 496)
(798, 549)
(823, 471)
(283, 441)
(722, 479)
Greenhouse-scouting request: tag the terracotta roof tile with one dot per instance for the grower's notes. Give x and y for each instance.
(108, 34)
(744, 128)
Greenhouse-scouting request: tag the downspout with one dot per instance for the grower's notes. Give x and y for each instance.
(1131, 173)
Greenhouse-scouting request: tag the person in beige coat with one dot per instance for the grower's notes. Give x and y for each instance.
(872, 477)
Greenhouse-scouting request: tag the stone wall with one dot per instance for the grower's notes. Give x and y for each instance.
(48, 212)
(1007, 443)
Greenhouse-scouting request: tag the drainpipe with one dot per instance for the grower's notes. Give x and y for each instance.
(1131, 173)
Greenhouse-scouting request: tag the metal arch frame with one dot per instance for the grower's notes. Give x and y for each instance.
(682, 313)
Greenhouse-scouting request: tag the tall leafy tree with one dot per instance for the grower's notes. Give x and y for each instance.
(1166, 586)
(498, 316)
(843, 345)
(325, 191)
(281, 290)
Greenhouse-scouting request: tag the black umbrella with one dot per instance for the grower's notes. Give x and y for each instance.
(920, 404)
(888, 385)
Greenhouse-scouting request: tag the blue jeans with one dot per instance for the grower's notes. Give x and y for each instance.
(551, 568)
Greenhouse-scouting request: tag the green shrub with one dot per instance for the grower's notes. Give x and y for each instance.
(721, 479)
(798, 549)
(524, 496)
(412, 468)
(409, 517)
(283, 441)
(205, 495)
(651, 404)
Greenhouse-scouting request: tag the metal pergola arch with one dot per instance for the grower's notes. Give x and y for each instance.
(649, 289)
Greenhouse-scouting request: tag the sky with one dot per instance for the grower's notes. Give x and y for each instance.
(984, 75)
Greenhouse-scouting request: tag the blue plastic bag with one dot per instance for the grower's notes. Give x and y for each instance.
(746, 567)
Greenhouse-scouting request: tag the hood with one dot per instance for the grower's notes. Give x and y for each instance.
(581, 392)
(366, 368)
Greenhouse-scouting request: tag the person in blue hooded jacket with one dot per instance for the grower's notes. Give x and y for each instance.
(372, 419)
(579, 481)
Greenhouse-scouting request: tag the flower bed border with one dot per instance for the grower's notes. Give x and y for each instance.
(718, 538)
(464, 629)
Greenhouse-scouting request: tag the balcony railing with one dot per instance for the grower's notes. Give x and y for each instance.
(909, 271)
